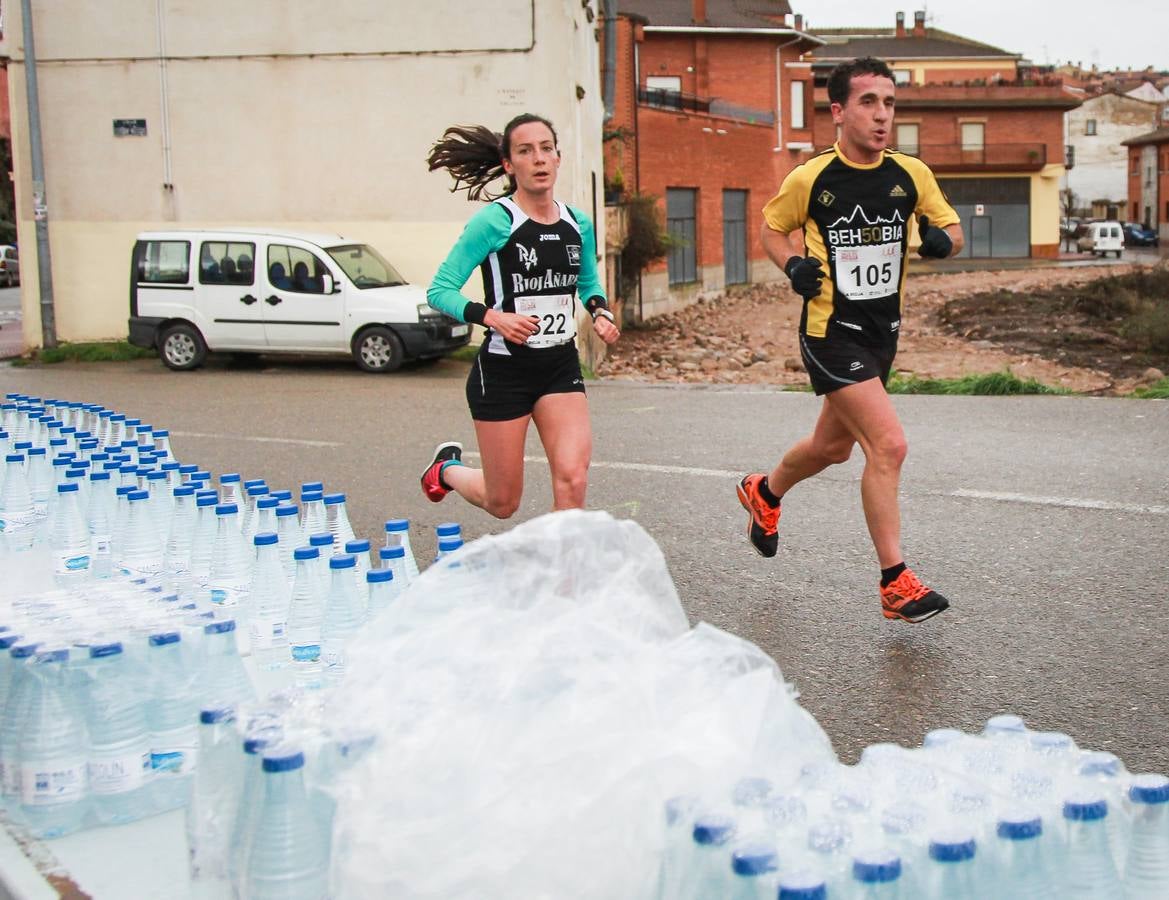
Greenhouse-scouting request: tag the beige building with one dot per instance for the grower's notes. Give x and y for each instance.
(1099, 178)
(162, 113)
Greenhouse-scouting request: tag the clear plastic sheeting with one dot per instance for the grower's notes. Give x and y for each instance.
(536, 698)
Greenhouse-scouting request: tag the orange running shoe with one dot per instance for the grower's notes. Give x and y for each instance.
(906, 598)
(762, 519)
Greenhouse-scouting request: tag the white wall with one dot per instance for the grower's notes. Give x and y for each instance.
(1101, 169)
(278, 114)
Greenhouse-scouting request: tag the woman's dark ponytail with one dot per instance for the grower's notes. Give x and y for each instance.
(474, 155)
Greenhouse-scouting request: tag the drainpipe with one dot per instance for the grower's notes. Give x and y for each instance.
(40, 204)
(610, 56)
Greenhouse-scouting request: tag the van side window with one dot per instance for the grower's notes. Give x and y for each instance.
(294, 269)
(221, 262)
(165, 262)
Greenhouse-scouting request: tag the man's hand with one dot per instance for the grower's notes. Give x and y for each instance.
(805, 274)
(934, 241)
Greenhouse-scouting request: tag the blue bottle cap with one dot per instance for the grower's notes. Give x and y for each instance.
(157, 475)
(713, 829)
(14, 458)
(343, 561)
(201, 476)
(144, 471)
(162, 638)
(282, 495)
(222, 626)
(284, 762)
(23, 651)
(1085, 808)
(398, 525)
(310, 496)
(23, 445)
(1004, 724)
(306, 553)
(333, 499)
(128, 469)
(67, 487)
(38, 451)
(446, 545)
(1100, 763)
(184, 490)
(99, 651)
(1019, 826)
(360, 545)
(161, 433)
(99, 476)
(138, 495)
(8, 639)
(1149, 788)
(257, 490)
(952, 846)
(226, 509)
(171, 466)
(448, 529)
(124, 490)
(134, 422)
(286, 509)
(229, 478)
(118, 417)
(267, 503)
(206, 499)
(312, 486)
(323, 539)
(254, 745)
(264, 538)
(377, 576)
(876, 867)
(216, 715)
(395, 552)
(802, 886)
(754, 859)
(189, 469)
(55, 654)
(255, 482)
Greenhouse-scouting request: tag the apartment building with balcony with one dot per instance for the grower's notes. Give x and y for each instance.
(1148, 180)
(991, 131)
(712, 109)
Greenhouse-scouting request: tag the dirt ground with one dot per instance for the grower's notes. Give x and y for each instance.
(750, 336)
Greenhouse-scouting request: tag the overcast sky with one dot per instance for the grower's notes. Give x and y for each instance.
(1117, 34)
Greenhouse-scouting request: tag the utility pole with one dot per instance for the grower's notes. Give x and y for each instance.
(40, 203)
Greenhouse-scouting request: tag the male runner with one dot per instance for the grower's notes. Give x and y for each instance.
(854, 203)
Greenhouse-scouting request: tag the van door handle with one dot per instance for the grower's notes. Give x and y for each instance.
(248, 299)
(273, 300)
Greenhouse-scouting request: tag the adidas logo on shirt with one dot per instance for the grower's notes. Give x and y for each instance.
(898, 191)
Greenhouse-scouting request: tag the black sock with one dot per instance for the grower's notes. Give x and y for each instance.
(890, 575)
(765, 492)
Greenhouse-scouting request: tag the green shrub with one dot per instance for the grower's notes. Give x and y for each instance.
(97, 351)
(995, 384)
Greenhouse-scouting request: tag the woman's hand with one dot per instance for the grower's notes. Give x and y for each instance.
(512, 326)
(605, 329)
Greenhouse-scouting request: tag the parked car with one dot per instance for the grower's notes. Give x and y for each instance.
(9, 265)
(1101, 238)
(245, 291)
(1139, 236)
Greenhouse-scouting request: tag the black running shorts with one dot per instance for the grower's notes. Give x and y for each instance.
(837, 360)
(500, 387)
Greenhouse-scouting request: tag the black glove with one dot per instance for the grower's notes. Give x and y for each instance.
(934, 241)
(805, 274)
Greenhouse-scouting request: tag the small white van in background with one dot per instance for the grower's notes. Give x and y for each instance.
(1102, 238)
(244, 291)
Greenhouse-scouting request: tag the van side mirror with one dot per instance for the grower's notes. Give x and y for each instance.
(329, 286)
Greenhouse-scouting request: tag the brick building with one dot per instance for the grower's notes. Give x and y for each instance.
(713, 107)
(1148, 180)
(992, 133)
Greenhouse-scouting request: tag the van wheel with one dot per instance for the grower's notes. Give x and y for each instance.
(181, 347)
(378, 349)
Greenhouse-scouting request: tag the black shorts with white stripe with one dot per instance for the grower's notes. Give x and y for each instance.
(501, 387)
(837, 360)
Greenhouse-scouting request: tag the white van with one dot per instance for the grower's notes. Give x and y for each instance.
(250, 291)
(1102, 238)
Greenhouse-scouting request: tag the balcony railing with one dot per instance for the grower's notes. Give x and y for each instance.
(990, 157)
(660, 98)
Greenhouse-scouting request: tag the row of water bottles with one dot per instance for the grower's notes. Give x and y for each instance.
(1009, 813)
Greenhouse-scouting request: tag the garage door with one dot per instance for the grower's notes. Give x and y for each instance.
(996, 215)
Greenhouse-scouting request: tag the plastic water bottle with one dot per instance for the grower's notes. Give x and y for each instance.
(344, 613)
(7, 640)
(14, 713)
(950, 870)
(231, 563)
(707, 873)
(229, 487)
(161, 438)
(289, 857)
(253, 494)
(754, 866)
(243, 828)
(176, 558)
(1087, 865)
(447, 546)
(288, 530)
(214, 802)
(398, 535)
(264, 518)
(40, 478)
(203, 544)
(876, 875)
(1146, 870)
(269, 598)
(323, 541)
(394, 559)
(51, 750)
(313, 519)
(17, 518)
(359, 549)
(380, 591)
(69, 538)
(337, 518)
(802, 885)
(447, 530)
(1024, 872)
(119, 740)
(304, 620)
(99, 521)
(224, 679)
(170, 716)
(141, 552)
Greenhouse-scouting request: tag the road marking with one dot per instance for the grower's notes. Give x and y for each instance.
(963, 493)
(1068, 502)
(255, 440)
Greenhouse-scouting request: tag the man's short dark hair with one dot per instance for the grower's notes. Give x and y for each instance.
(840, 81)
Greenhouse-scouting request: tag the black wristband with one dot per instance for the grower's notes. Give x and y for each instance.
(594, 303)
(474, 313)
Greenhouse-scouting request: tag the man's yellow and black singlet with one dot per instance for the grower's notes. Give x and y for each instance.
(856, 222)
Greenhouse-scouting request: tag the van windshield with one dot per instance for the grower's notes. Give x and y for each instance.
(365, 266)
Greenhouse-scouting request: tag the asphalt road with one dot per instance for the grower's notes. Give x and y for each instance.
(1044, 520)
